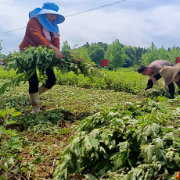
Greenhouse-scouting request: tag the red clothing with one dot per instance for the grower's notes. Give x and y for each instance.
(34, 36)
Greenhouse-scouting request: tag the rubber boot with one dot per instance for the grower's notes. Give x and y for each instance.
(42, 89)
(35, 102)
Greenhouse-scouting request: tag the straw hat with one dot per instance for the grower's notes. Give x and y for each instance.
(169, 73)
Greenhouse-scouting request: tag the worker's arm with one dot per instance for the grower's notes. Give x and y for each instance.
(57, 53)
(154, 80)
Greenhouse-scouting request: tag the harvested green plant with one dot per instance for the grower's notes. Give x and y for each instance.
(26, 62)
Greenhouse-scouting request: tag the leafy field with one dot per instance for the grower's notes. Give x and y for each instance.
(121, 80)
(93, 129)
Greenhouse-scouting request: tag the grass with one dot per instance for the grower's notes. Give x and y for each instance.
(121, 80)
(75, 100)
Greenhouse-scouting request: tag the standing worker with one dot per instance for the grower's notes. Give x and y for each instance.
(153, 72)
(42, 29)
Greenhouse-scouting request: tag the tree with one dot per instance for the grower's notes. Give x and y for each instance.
(150, 56)
(65, 46)
(108, 54)
(96, 53)
(162, 53)
(2, 56)
(104, 45)
(174, 52)
(116, 54)
(86, 45)
(130, 57)
(82, 53)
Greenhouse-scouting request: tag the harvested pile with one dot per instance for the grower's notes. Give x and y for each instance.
(123, 143)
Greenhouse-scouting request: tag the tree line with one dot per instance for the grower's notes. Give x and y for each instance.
(120, 55)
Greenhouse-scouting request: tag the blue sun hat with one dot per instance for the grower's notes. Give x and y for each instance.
(48, 8)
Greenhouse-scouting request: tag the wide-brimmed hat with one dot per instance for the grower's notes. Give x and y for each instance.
(48, 8)
(169, 73)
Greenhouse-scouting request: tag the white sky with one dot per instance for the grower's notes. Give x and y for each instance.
(133, 22)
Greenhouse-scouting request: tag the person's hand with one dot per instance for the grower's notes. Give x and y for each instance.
(165, 88)
(58, 54)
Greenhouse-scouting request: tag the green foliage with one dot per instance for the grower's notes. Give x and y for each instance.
(96, 53)
(121, 80)
(161, 53)
(155, 92)
(116, 54)
(7, 74)
(81, 53)
(26, 63)
(132, 54)
(173, 53)
(150, 56)
(65, 46)
(124, 142)
(11, 145)
(117, 141)
(124, 79)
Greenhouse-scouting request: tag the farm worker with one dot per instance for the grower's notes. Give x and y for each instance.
(153, 72)
(171, 74)
(42, 29)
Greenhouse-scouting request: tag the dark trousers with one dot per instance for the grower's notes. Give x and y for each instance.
(157, 77)
(34, 82)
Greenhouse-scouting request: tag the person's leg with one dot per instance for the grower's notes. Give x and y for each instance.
(171, 90)
(50, 82)
(33, 92)
(178, 84)
(33, 84)
(150, 83)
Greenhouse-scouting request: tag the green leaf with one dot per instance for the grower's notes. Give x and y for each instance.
(90, 177)
(14, 143)
(10, 132)
(3, 113)
(2, 178)
(10, 121)
(37, 160)
(1, 130)
(16, 113)
(3, 167)
(94, 142)
(87, 143)
(95, 132)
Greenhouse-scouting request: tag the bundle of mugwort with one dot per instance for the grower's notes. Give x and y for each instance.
(26, 62)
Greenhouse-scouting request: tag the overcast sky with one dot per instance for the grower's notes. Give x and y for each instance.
(133, 22)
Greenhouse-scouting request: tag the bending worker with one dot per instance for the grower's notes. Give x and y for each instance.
(171, 74)
(153, 72)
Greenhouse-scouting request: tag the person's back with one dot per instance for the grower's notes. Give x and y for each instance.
(153, 72)
(158, 64)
